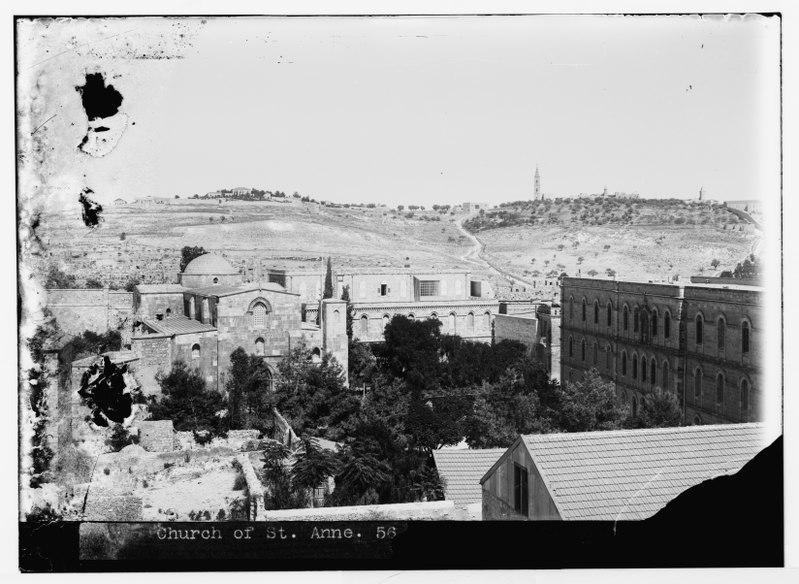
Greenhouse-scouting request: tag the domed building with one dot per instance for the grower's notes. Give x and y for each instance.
(212, 312)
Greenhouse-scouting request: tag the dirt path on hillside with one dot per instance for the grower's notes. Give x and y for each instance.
(476, 255)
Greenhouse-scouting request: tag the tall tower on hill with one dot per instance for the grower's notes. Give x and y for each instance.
(537, 195)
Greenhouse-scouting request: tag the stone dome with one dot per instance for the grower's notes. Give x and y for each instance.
(210, 264)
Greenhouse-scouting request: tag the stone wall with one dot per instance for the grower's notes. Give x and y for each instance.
(431, 511)
(157, 436)
(521, 328)
(109, 507)
(97, 310)
(150, 304)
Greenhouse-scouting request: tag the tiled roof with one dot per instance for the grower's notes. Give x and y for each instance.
(308, 326)
(160, 288)
(178, 325)
(461, 471)
(632, 474)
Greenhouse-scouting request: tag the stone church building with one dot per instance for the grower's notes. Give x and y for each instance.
(212, 312)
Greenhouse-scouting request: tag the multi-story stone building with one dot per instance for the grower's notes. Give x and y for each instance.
(699, 341)
(465, 307)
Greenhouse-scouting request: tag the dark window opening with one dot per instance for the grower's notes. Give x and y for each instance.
(520, 491)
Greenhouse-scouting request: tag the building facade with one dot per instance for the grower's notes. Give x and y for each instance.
(213, 312)
(700, 342)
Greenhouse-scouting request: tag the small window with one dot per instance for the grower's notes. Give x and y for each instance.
(168, 312)
(665, 376)
(470, 321)
(487, 320)
(607, 357)
(383, 289)
(610, 314)
(195, 352)
(216, 280)
(624, 363)
(654, 323)
(364, 324)
(636, 316)
(643, 368)
(259, 346)
(653, 372)
(635, 406)
(745, 337)
(596, 312)
(584, 309)
(571, 347)
(520, 491)
(699, 329)
(720, 332)
(697, 420)
(667, 326)
(429, 288)
(571, 308)
(635, 367)
(698, 383)
(582, 350)
(720, 388)
(625, 318)
(451, 323)
(386, 320)
(596, 354)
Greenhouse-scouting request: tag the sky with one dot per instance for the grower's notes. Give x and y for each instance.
(406, 110)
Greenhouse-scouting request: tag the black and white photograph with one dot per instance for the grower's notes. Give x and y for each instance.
(339, 287)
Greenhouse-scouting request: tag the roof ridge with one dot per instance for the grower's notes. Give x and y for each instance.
(644, 431)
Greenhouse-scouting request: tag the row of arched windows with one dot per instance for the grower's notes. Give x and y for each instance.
(719, 389)
(721, 333)
(648, 371)
(642, 320)
(451, 321)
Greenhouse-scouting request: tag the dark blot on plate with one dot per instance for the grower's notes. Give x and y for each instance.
(99, 100)
(91, 209)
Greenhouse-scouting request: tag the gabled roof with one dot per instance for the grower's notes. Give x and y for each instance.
(632, 474)
(177, 325)
(461, 471)
(220, 290)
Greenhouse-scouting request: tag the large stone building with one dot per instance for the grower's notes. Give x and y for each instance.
(700, 341)
(465, 307)
(212, 312)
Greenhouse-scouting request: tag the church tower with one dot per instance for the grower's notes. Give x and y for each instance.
(537, 195)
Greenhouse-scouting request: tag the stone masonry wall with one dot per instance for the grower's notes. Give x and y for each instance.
(97, 310)
(157, 436)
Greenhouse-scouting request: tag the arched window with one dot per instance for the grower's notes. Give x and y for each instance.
(698, 329)
(336, 317)
(596, 354)
(744, 400)
(665, 376)
(582, 350)
(386, 320)
(259, 315)
(168, 312)
(487, 320)
(433, 316)
(643, 368)
(653, 372)
(667, 325)
(316, 355)
(607, 357)
(584, 309)
(624, 363)
(364, 324)
(635, 406)
(610, 314)
(571, 347)
(411, 317)
(698, 383)
(720, 388)
(571, 308)
(195, 352)
(635, 367)
(721, 327)
(697, 420)
(259, 346)
(451, 322)
(745, 337)
(216, 280)
(654, 323)
(596, 312)
(470, 321)
(636, 316)
(624, 397)
(625, 318)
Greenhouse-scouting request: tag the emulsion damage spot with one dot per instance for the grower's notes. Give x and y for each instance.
(99, 100)
(91, 209)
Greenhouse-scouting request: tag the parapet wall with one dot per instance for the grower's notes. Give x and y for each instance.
(95, 309)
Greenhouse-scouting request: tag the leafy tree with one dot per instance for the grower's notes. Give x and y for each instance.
(410, 351)
(131, 284)
(188, 403)
(248, 387)
(659, 409)
(93, 283)
(360, 477)
(312, 396)
(188, 253)
(328, 292)
(278, 490)
(345, 295)
(715, 263)
(588, 405)
(313, 466)
(122, 236)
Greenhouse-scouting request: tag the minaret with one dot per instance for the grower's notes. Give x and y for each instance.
(537, 195)
(701, 193)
